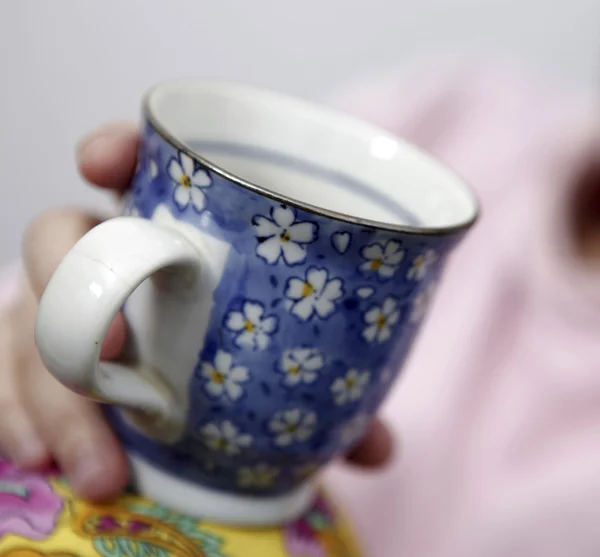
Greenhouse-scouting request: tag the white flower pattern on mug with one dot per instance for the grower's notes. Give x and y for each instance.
(351, 387)
(223, 378)
(259, 476)
(153, 169)
(297, 346)
(282, 236)
(224, 437)
(250, 327)
(316, 294)
(421, 264)
(380, 320)
(128, 207)
(300, 365)
(382, 260)
(189, 182)
(292, 426)
(131, 210)
(421, 303)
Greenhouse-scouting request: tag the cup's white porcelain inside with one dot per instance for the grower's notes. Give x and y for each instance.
(311, 155)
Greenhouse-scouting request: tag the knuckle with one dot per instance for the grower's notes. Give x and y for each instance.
(58, 222)
(48, 238)
(38, 227)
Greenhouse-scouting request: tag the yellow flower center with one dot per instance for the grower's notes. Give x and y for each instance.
(218, 377)
(222, 444)
(294, 370)
(307, 289)
(286, 236)
(350, 382)
(419, 261)
(186, 181)
(381, 321)
(249, 326)
(291, 428)
(376, 263)
(263, 477)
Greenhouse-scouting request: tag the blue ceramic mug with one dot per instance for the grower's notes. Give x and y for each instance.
(274, 263)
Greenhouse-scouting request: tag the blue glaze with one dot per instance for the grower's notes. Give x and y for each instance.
(306, 375)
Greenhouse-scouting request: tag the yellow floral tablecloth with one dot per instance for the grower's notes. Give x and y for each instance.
(40, 517)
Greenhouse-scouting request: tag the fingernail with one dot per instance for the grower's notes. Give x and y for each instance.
(94, 146)
(84, 143)
(103, 141)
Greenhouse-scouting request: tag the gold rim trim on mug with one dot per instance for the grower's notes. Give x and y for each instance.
(314, 107)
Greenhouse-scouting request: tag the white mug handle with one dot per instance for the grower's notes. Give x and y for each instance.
(86, 292)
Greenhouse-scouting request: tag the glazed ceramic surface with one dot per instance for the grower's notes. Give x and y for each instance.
(292, 254)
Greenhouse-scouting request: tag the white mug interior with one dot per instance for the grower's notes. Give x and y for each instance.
(310, 156)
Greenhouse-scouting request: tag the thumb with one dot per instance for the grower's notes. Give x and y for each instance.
(376, 448)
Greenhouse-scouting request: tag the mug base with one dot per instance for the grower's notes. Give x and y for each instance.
(216, 506)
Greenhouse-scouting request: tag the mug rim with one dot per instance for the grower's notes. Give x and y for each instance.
(166, 135)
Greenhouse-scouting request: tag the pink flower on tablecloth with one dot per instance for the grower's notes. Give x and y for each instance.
(28, 505)
(302, 536)
(302, 541)
(108, 524)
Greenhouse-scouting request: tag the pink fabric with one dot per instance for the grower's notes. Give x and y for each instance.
(498, 408)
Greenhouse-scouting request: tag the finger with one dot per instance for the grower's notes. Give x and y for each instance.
(46, 242)
(72, 427)
(76, 433)
(115, 339)
(48, 239)
(19, 439)
(376, 448)
(107, 157)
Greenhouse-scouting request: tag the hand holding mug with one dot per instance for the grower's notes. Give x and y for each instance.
(274, 266)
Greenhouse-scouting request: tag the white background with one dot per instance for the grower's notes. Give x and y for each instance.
(66, 66)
